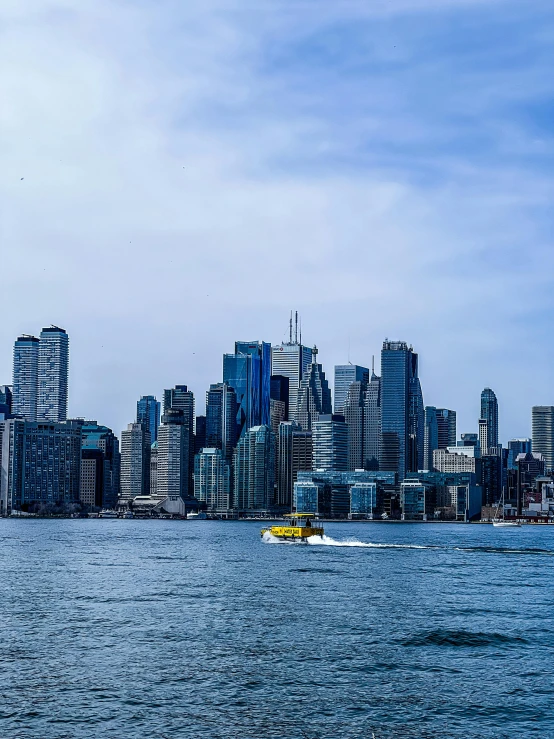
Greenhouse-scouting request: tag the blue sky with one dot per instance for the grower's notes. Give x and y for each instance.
(194, 171)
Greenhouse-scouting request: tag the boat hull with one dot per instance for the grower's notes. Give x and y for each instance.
(293, 533)
(506, 524)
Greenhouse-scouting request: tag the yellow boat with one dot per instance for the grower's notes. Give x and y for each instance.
(299, 529)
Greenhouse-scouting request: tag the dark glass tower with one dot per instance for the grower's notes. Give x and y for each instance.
(248, 371)
(221, 418)
(148, 413)
(181, 398)
(489, 412)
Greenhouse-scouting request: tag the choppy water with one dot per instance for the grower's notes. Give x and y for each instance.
(170, 630)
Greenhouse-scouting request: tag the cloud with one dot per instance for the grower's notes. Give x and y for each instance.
(193, 173)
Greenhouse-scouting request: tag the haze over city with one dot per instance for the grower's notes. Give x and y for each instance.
(181, 177)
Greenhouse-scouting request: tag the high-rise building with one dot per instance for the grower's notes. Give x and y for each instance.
(53, 374)
(484, 436)
(516, 447)
(25, 377)
(173, 455)
(280, 391)
(212, 480)
(294, 450)
(135, 462)
(254, 470)
(345, 375)
(402, 411)
(489, 412)
(248, 371)
(440, 432)
(6, 397)
(154, 470)
(148, 413)
(372, 423)
(40, 465)
(457, 459)
(330, 443)
(314, 395)
(181, 398)
(221, 418)
(102, 470)
(543, 433)
(291, 360)
(446, 423)
(200, 435)
(354, 407)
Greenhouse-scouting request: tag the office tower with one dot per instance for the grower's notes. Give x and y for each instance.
(53, 373)
(468, 440)
(6, 397)
(294, 451)
(402, 412)
(200, 435)
(248, 371)
(516, 447)
(90, 488)
(254, 469)
(330, 443)
(484, 436)
(542, 421)
(40, 465)
(314, 395)
(135, 462)
(345, 375)
(431, 436)
(280, 391)
(212, 480)
(102, 470)
(181, 398)
(354, 406)
(277, 412)
(491, 478)
(446, 423)
(154, 470)
(25, 377)
(173, 455)
(291, 359)
(489, 412)
(221, 418)
(372, 423)
(148, 413)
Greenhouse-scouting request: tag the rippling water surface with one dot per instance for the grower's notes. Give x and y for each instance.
(162, 630)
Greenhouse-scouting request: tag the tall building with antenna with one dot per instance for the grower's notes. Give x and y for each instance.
(291, 359)
(345, 375)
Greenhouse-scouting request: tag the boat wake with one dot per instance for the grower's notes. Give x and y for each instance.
(327, 541)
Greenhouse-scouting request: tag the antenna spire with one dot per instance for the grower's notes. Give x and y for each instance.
(296, 327)
(290, 328)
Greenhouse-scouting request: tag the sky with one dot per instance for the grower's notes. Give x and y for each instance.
(175, 176)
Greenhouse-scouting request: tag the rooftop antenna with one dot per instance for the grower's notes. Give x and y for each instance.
(373, 364)
(290, 328)
(296, 327)
(300, 329)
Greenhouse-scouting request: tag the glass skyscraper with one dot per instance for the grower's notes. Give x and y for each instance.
(345, 375)
(372, 423)
(181, 398)
(148, 413)
(489, 412)
(543, 433)
(248, 371)
(25, 377)
(221, 418)
(53, 374)
(314, 395)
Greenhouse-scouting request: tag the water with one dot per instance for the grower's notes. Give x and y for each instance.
(170, 630)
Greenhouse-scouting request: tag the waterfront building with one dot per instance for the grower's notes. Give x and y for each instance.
(402, 411)
(181, 398)
(102, 470)
(212, 480)
(154, 470)
(489, 412)
(491, 478)
(6, 396)
(40, 465)
(254, 470)
(221, 418)
(314, 395)
(354, 415)
(280, 391)
(543, 433)
(456, 495)
(328, 492)
(416, 500)
(25, 377)
(135, 462)
(363, 500)
(330, 443)
(173, 455)
(53, 374)
(291, 360)
(248, 371)
(294, 452)
(345, 375)
(148, 413)
(372, 423)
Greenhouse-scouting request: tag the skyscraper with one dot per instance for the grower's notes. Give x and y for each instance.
(280, 391)
(484, 436)
(354, 407)
(135, 461)
(446, 423)
(291, 360)
(402, 413)
(148, 413)
(314, 395)
(221, 418)
(25, 377)
(431, 436)
(294, 449)
(489, 412)
(173, 460)
(248, 371)
(345, 375)
(6, 397)
(53, 374)
(181, 398)
(330, 443)
(212, 480)
(254, 469)
(542, 417)
(107, 464)
(516, 447)
(372, 423)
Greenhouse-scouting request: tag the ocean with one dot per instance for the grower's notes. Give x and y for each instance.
(182, 629)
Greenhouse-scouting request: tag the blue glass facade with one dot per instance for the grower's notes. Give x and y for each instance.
(489, 412)
(248, 371)
(148, 413)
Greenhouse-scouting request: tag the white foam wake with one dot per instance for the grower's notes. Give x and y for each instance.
(329, 542)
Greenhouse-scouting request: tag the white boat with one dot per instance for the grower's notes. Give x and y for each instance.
(108, 514)
(500, 521)
(195, 516)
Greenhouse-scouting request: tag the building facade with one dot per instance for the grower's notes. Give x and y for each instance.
(345, 375)
(25, 377)
(314, 395)
(248, 371)
(330, 443)
(135, 462)
(254, 470)
(542, 420)
(221, 418)
(294, 451)
(489, 413)
(53, 374)
(173, 460)
(372, 423)
(212, 480)
(148, 413)
(354, 415)
(291, 360)
(97, 438)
